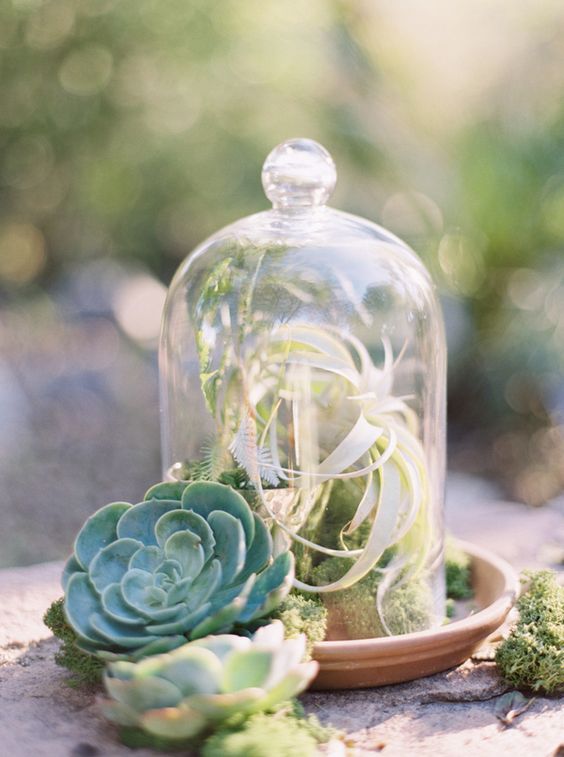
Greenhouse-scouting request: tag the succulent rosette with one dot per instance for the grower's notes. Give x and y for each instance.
(188, 561)
(178, 695)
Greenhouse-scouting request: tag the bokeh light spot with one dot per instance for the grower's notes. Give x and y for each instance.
(138, 307)
(28, 162)
(49, 27)
(22, 253)
(86, 71)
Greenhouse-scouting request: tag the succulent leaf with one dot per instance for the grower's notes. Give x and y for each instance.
(166, 490)
(270, 588)
(140, 521)
(71, 566)
(183, 693)
(146, 577)
(177, 723)
(82, 608)
(98, 531)
(259, 551)
(112, 563)
(203, 498)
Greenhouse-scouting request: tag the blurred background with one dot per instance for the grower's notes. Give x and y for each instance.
(132, 129)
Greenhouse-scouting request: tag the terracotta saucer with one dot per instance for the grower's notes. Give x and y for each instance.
(375, 662)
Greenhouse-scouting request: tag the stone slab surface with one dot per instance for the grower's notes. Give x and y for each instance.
(451, 713)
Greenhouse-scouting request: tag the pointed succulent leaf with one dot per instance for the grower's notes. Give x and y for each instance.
(162, 645)
(71, 566)
(270, 588)
(134, 587)
(174, 723)
(285, 657)
(116, 609)
(271, 635)
(186, 548)
(119, 634)
(124, 670)
(111, 563)
(230, 547)
(119, 713)
(205, 585)
(227, 595)
(143, 694)
(184, 520)
(164, 614)
(98, 531)
(203, 497)
(171, 490)
(294, 682)
(248, 669)
(193, 670)
(220, 706)
(81, 602)
(179, 591)
(140, 520)
(259, 552)
(147, 558)
(179, 624)
(170, 568)
(220, 621)
(224, 617)
(223, 645)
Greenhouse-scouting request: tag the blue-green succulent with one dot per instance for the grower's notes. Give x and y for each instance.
(178, 695)
(188, 561)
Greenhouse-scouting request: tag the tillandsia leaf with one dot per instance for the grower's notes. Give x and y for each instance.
(181, 694)
(146, 577)
(377, 442)
(380, 538)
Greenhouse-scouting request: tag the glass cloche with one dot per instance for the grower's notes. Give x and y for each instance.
(303, 362)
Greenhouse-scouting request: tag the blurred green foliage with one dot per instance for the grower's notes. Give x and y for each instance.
(135, 128)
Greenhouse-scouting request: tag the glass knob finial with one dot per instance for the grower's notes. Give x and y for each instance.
(299, 173)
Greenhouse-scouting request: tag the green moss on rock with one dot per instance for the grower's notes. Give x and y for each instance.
(532, 657)
(301, 614)
(86, 670)
(286, 733)
(458, 573)
(262, 736)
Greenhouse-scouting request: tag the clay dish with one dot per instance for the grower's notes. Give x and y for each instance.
(375, 662)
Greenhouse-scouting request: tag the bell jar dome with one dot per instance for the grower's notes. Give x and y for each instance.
(303, 362)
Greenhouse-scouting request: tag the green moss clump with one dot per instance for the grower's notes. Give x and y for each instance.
(87, 670)
(286, 733)
(301, 614)
(458, 573)
(261, 736)
(408, 608)
(532, 657)
(352, 612)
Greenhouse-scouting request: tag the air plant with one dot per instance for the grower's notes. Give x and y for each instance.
(302, 407)
(307, 373)
(186, 562)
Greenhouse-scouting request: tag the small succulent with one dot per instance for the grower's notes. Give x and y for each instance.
(188, 561)
(178, 695)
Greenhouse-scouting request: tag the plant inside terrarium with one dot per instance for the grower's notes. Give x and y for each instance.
(308, 423)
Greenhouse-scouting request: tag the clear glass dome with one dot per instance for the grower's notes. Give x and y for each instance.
(303, 361)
